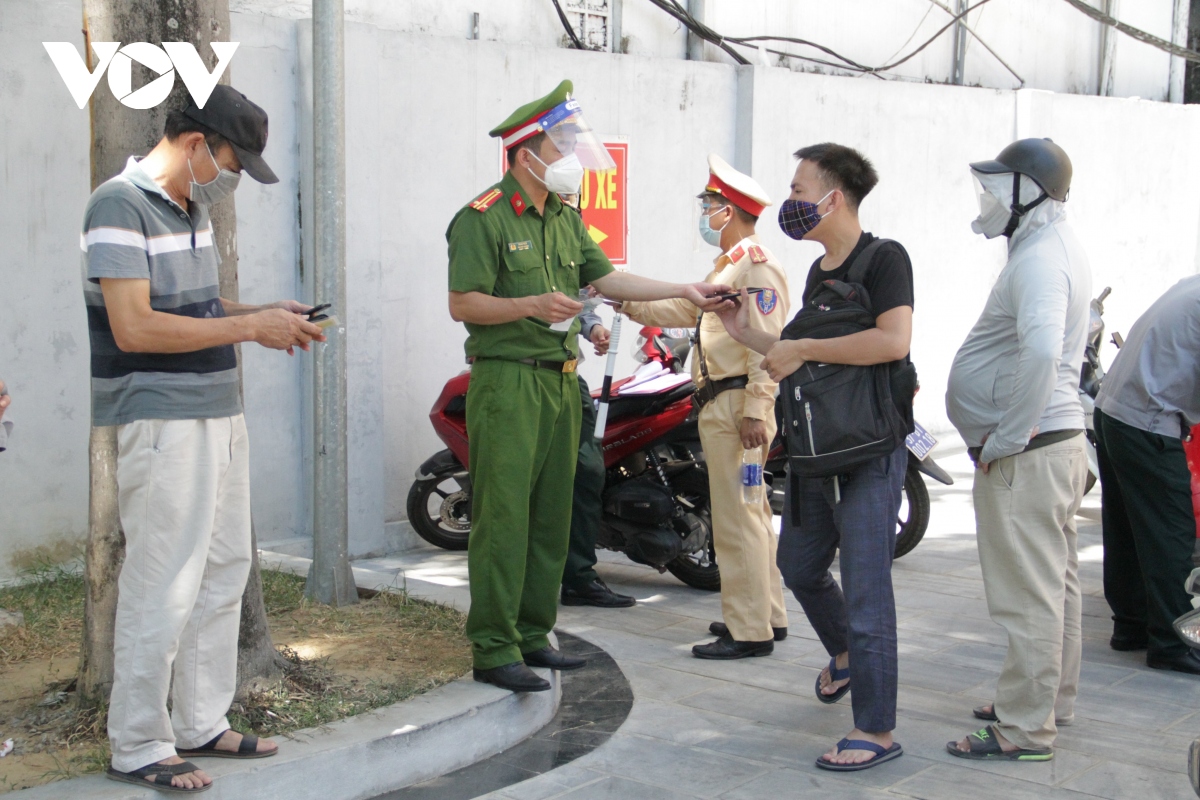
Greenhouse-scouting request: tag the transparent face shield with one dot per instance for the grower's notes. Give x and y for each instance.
(566, 128)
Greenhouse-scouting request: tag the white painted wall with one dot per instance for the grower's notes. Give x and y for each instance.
(1047, 42)
(418, 110)
(43, 328)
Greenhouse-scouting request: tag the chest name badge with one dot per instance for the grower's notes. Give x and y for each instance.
(514, 247)
(767, 300)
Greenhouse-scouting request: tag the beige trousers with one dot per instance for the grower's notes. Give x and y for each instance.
(184, 500)
(751, 588)
(1025, 518)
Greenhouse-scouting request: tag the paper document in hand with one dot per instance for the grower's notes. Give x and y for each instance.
(655, 385)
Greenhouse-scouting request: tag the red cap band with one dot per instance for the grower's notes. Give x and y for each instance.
(745, 203)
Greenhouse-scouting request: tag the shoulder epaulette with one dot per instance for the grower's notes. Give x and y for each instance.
(757, 255)
(485, 200)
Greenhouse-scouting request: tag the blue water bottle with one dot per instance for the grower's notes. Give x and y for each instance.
(752, 476)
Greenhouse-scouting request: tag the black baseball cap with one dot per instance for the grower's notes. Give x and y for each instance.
(232, 114)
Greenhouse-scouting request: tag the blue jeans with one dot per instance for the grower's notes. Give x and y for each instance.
(860, 615)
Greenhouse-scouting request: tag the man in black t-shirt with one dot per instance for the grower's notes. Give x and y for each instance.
(857, 621)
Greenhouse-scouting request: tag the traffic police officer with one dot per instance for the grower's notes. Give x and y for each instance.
(516, 264)
(736, 398)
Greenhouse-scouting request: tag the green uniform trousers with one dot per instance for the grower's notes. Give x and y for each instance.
(587, 504)
(523, 425)
(1149, 532)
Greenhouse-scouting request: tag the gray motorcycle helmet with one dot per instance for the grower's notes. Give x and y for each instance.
(1041, 159)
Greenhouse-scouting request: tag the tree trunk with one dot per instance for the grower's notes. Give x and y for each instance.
(117, 133)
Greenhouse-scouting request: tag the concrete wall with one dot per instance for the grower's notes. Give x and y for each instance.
(1047, 42)
(44, 169)
(418, 110)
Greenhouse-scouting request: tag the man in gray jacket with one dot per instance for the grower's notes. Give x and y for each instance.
(1148, 404)
(1013, 395)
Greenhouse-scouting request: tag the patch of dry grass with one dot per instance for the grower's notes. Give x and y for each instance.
(339, 662)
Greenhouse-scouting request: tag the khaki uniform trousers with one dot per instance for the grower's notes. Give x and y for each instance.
(743, 533)
(1028, 550)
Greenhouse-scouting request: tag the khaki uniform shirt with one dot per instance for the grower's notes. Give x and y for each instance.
(500, 245)
(748, 264)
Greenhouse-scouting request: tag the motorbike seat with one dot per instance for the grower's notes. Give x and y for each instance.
(643, 405)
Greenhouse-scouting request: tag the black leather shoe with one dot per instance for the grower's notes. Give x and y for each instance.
(727, 648)
(1188, 662)
(1126, 643)
(516, 677)
(553, 659)
(596, 594)
(721, 629)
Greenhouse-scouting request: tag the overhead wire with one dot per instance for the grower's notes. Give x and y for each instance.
(1135, 33)
(562, 17)
(979, 39)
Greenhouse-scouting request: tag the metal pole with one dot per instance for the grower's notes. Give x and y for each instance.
(1179, 36)
(1108, 51)
(330, 579)
(958, 69)
(695, 45)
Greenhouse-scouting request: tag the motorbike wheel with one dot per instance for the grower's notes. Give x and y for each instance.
(913, 519)
(439, 509)
(698, 570)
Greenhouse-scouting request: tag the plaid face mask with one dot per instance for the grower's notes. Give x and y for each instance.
(798, 217)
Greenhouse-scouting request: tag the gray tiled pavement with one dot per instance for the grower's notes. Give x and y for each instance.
(750, 730)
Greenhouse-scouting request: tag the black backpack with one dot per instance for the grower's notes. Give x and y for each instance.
(839, 416)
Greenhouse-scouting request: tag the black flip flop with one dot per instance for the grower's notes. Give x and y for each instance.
(882, 755)
(985, 746)
(835, 674)
(247, 749)
(163, 773)
(985, 715)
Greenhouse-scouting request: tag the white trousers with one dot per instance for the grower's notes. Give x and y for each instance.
(185, 509)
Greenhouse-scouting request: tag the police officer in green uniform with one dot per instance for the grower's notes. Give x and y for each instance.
(516, 264)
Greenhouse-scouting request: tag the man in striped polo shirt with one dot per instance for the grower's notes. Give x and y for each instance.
(164, 370)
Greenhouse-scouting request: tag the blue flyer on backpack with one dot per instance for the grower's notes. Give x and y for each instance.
(920, 442)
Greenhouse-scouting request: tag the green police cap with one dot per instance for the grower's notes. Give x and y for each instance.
(522, 123)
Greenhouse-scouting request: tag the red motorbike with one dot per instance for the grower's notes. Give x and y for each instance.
(656, 499)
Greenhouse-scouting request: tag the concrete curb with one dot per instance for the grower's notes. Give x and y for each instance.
(364, 756)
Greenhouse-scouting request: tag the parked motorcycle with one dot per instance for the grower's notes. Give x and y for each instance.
(1187, 627)
(656, 498)
(1090, 377)
(656, 495)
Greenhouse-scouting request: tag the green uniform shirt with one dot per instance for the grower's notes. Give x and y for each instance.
(500, 245)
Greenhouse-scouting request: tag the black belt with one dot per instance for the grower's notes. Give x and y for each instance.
(553, 366)
(1036, 443)
(710, 389)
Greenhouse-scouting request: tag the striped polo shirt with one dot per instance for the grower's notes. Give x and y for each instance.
(133, 229)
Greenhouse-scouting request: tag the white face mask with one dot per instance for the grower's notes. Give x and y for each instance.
(215, 190)
(993, 216)
(564, 176)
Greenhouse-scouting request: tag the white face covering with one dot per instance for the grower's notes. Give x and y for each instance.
(564, 176)
(993, 216)
(215, 190)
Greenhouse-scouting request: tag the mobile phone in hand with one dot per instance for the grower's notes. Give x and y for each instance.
(738, 293)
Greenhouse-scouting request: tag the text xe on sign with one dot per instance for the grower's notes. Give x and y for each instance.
(602, 201)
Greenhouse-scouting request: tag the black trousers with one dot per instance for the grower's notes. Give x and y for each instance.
(586, 508)
(1149, 532)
